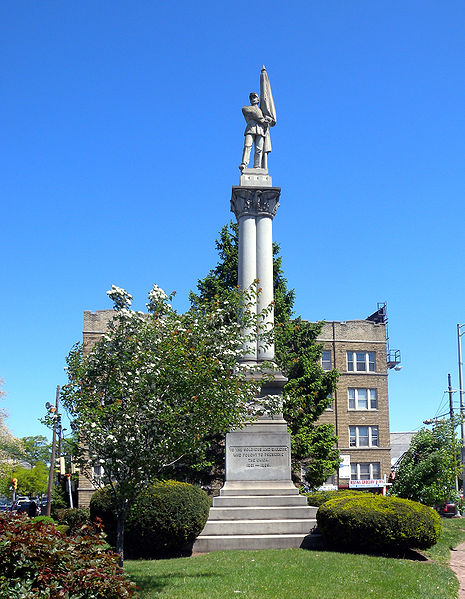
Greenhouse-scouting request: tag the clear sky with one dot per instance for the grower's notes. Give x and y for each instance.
(122, 132)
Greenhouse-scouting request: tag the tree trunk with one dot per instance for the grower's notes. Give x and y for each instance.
(120, 523)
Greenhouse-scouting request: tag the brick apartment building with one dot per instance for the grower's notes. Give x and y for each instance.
(359, 350)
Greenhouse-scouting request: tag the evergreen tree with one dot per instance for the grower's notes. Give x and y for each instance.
(298, 354)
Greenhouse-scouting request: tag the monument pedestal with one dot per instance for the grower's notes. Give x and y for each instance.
(258, 507)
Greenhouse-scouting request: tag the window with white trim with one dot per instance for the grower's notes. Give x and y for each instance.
(365, 470)
(363, 436)
(362, 399)
(358, 361)
(326, 359)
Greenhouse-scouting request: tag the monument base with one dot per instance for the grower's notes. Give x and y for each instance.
(258, 507)
(255, 177)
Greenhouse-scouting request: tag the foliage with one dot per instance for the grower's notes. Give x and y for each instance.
(164, 520)
(317, 498)
(156, 387)
(37, 561)
(43, 519)
(377, 523)
(428, 469)
(59, 500)
(74, 518)
(102, 507)
(307, 394)
(36, 449)
(31, 481)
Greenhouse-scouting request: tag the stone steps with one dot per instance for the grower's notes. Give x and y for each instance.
(258, 488)
(259, 527)
(274, 512)
(259, 500)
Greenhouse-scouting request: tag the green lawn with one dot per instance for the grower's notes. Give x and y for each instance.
(301, 574)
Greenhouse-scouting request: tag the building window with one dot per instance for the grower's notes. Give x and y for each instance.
(361, 361)
(330, 407)
(326, 359)
(365, 471)
(363, 436)
(363, 399)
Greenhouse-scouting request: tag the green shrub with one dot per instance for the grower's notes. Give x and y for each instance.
(43, 519)
(74, 518)
(101, 506)
(377, 523)
(37, 561)
(165, 520)
(317, 498)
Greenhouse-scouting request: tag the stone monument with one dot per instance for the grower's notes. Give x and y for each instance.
(258, 507)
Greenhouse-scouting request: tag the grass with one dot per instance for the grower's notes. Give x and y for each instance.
(300, 574)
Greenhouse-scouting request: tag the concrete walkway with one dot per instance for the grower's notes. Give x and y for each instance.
(457, 564)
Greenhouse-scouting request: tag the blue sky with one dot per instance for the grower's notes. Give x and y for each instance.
(122, 131)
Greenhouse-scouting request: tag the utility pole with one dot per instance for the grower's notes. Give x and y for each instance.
(452, 426)
(54, 411)
(462, 423)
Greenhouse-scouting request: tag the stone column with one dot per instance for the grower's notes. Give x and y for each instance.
(255, 207)
(265, 277)
(247, 251)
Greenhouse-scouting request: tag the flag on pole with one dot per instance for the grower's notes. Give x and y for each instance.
(267, 108)
(266, 97)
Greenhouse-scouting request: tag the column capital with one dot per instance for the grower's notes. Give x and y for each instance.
(253, 201)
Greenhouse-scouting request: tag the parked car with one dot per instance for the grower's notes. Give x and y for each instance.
(22, 507)
(447, 509)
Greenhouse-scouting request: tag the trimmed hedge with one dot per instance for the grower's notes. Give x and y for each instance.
(377, 523)
(165, 520)
(39, 562)
(74, 518)
(317, 498)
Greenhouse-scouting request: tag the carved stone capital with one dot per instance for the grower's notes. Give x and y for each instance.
(251, 201)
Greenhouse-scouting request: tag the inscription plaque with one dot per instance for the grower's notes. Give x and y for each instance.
(258, 457)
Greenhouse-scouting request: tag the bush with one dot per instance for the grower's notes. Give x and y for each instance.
(377, 523)
(317, 498)
(43, 519)
(74, 518)
(37, 561)
(101, 506)
(165, 520)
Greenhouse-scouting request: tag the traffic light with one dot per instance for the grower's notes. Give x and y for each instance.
(14, 483)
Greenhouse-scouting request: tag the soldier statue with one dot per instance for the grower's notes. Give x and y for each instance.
(259, 119)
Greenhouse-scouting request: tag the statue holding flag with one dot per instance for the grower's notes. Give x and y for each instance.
(259, 119)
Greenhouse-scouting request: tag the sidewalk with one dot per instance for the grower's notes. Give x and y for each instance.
(457, 564)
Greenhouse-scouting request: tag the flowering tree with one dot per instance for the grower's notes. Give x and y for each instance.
(10, 447)
(155, 387)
